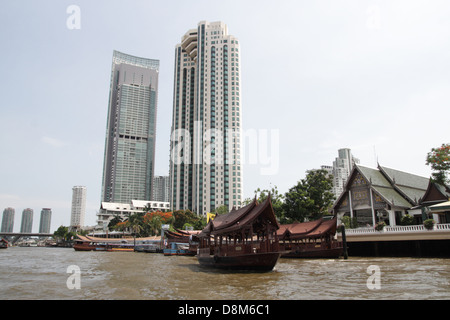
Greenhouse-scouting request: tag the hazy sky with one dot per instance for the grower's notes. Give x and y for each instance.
(317, 76)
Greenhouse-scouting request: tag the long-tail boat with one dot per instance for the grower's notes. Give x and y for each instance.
(313, 239)
(243, 239)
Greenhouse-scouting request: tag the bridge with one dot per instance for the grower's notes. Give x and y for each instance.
(17, 235)
(415, 240)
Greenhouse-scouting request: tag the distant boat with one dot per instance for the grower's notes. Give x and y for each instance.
(313, 239)
(177, 249)
(88, 243)
(243, 239)
(181, 243)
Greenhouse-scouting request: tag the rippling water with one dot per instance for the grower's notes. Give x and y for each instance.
(41, 273)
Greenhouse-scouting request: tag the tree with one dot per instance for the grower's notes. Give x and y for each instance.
(276, 198)
(114, 221)
(310, 198)
(439, 160)
(182, 217)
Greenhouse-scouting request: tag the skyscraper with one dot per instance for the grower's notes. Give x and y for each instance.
(341, 169)
(161, 189)
(27, 221)
(131, 127)
(78, 206)
(8, 220)
(46, 219)
(205, 166)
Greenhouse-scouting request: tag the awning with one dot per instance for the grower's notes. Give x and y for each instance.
(440, 207)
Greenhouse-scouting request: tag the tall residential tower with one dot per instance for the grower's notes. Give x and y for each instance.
(78, 206)
(205, 166)
(131, 127)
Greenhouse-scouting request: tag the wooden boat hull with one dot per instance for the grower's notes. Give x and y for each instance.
(323, 253)
(84, 247)
(253, 261)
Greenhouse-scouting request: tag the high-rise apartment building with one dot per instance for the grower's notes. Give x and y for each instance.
(341, 169)
(27, 221)
(131, 128)
(205, 166)
(78, 206)
(161, 188)
(46, 219)
(8, 220)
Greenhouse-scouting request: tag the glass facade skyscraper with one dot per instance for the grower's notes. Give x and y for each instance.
(205, 166)
(131, 127)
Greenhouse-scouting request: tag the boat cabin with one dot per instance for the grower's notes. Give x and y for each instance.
(236, 239)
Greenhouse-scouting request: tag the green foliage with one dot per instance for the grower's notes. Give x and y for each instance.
(349, 223)
(429, 224)
(186, 216)
(64, 233)
(407, 220)
(221, 210)
(439, 160)
(380, 225)
(310, 198)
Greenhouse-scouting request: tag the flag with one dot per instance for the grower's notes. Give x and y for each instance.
(210, 216)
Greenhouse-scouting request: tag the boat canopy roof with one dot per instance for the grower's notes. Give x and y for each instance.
(311, 229)
(253, 215)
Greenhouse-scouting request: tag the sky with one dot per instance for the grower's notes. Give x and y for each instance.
(316, 76)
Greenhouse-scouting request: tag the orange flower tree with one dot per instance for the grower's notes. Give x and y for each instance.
(155, 219)
(439, 161)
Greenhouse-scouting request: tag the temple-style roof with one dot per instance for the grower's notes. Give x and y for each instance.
(305, 230)
(253, 215)
(396, 188)
(436, 193)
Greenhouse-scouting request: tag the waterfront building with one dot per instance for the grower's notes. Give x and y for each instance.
(27, 221)
(111, 209)
(78, 206)
(380, 194)
(161, 189)
(436, 202)
(131, 128)
(8, 220)
(46, 219)
(205, 160)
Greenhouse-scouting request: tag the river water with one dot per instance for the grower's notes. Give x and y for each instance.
(47, 274)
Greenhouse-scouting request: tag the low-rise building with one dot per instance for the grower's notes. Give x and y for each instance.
(379, 194)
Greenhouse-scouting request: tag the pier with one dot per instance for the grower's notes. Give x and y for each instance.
(413, 240)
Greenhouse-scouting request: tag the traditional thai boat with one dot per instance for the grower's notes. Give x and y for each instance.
(313, 239)
(243, 239)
